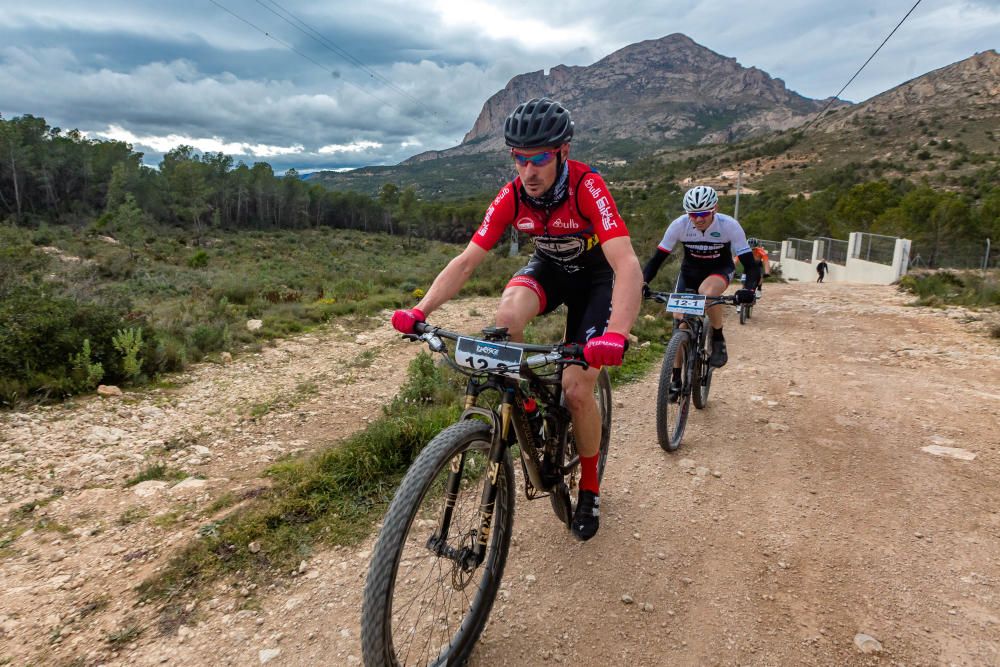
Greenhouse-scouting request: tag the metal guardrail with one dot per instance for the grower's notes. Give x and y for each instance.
(800, 250)
(874, 248)
(833, 251)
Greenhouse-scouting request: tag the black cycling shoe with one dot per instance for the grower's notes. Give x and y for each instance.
(674, 392)
(586, 519)
(719, 356)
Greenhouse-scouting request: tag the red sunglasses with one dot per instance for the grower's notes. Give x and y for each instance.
(537, 159)
(700, 214)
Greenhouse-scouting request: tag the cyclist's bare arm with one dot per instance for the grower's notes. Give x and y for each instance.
(626, 297)
(452, 278)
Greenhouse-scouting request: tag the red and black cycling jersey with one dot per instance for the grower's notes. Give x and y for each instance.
(569, 234)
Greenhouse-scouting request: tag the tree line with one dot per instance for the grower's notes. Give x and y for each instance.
(48, 175)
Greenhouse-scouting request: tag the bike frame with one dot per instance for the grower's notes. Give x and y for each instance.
(549, 390)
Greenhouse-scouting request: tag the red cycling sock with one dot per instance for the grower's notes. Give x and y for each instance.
(588, 474)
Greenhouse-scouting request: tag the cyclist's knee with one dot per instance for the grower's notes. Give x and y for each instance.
(514, 317)
(578, 389)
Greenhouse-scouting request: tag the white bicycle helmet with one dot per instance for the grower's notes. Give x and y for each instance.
(700, 198)
(753, 242)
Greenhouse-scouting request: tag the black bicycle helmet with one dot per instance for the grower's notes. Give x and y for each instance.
(538, 122)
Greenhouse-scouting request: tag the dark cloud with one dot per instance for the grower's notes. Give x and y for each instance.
(188, 71)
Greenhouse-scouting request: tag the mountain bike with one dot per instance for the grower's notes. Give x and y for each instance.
(746, 309)
(440, 555)
(691, 341)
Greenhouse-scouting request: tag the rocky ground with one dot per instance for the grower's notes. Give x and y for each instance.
(842, 481)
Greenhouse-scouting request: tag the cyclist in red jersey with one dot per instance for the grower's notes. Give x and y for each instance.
(583, 257)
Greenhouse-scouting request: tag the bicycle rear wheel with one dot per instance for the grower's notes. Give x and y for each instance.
(564, 499)
(426, 604)
(671, 415)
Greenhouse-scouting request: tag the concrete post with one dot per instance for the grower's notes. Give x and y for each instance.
(900, 258)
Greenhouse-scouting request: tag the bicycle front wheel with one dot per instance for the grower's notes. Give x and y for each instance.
(672, 412)
(425, 601)
(744, 313)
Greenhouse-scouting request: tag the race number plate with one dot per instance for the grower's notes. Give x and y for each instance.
(484, 355)
(687, 304)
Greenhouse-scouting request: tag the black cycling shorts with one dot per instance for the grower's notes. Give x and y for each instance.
(587, 295)
(690, 279)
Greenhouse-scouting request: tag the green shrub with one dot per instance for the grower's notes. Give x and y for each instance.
(198, 260)
(207, 338)
(85, 374)
(349, 289)
(128, 342)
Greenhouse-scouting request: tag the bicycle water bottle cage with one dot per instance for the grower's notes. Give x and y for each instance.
(496, 333)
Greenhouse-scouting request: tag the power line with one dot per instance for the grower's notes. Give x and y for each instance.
(332, 46)
(830, 101)
(296, 51)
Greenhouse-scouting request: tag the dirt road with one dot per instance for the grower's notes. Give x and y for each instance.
(801, 510)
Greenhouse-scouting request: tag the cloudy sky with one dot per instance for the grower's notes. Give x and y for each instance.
(343, 84)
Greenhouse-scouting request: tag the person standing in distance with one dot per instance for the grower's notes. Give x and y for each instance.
(711, 240)
(821, 269)
(583, 257)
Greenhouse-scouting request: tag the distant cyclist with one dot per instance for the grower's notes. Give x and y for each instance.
(763, 262)
(710, 241)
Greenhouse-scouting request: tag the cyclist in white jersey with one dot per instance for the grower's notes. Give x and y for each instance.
(710, 241)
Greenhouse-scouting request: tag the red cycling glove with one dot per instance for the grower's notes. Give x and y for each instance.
(404, 321)
(606, 350)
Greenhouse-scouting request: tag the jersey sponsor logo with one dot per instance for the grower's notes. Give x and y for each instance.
(560, 248)
(592, 188)
(715, 234)
(607, 214)
(503, 193)
(559, 223)
(526, 224)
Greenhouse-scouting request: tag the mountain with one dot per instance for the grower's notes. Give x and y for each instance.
(674, 99)
(968, 88)
(669, 91)
(941, 126)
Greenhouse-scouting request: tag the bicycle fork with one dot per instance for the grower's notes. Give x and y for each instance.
(471, 556)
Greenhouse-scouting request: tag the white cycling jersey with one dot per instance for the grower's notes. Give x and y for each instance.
(712, 248)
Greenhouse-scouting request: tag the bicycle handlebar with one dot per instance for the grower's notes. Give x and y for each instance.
(567, 354)
(663, 297)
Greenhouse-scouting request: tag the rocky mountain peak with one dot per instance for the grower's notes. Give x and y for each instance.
(658, 92)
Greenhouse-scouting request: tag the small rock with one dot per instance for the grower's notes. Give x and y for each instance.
(254, 547)
(687, 581)
(796, 394)
(108, 390)
(188, 484)
(647, 606)
(227, 358)
(701, 471)
(530, 578)
(266, 655)
(686, 464)
(254, 325)
(303, 566)
(867, 643)
(716, 474)
(149, 488)
(952, 452)
(627, 599)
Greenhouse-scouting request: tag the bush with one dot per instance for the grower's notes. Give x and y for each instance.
(198, 260)
(52, 345)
